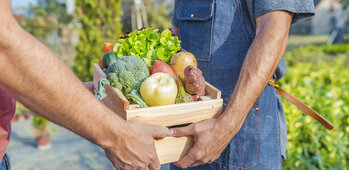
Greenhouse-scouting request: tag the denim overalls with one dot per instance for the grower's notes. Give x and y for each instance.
(219, 34)
(5, 163)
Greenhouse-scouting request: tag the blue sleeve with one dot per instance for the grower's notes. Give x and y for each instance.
(174, 18)
(301, 8)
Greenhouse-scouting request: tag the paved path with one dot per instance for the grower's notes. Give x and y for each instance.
(68, 151)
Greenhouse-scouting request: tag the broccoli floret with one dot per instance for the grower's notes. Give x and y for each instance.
(140, 76)
(126, 74)
(114, 80)
(116, 67)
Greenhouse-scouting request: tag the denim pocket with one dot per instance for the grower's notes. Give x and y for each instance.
(196, 25)
(243, 148)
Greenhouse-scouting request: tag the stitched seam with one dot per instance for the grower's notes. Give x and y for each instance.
(242, 25)
(257, 135)
(198, 2)
(6, 162)
(236, 166)
(190, 18)
(201, 19)
(241, 167)
(278, 126)
(243, 150)
(193, 19)
(212, 22)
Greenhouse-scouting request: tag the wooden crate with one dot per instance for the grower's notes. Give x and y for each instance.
(169, 149)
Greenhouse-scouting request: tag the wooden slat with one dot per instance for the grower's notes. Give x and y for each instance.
(97, 73)
(134, 106)
(203, 98)
(212, 91)
(114, 102)
(177, 114)
(123, 101)
(171, 149)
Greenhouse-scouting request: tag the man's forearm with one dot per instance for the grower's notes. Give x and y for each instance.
(260, 63)
(32, 74)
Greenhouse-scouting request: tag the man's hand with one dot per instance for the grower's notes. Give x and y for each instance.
(139, 151)
(42, 82)
(213, 135)
(210, 139)
(135, 150)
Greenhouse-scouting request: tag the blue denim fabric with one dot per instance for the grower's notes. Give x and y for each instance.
(219, 34)
(5, 163)
(257, 144)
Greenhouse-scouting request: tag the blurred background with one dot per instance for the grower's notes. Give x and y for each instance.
(318, 73)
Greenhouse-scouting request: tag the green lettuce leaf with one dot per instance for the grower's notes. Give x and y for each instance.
(149, 45)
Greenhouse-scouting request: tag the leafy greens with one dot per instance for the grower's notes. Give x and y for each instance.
(149, 45)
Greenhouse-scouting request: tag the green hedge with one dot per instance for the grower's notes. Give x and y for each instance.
(319, 76)
(100, 23)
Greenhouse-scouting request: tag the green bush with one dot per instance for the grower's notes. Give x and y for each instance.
(100, 23)
(21, 109)
(39, 122)
(335, 49)
(41, 126)
(320, 80)
(314, 53)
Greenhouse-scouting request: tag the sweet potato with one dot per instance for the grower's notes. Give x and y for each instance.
(194, 81)
(196, 97)
(162, 67)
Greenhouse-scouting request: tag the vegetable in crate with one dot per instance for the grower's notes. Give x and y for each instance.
(194, 81)
(182, 96)
(100, 62)
(159, 89)
(196, 97)
(149, 45)
(127, 74)
(162, 67)
(108, 47)
(180, 61)
(108, 58)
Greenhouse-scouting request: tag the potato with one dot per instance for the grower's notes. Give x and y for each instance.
(194, 81)
(180, 61)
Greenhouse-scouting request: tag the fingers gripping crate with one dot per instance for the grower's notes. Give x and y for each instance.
(169, 149)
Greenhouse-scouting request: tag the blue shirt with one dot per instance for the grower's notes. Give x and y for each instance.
(219, 34)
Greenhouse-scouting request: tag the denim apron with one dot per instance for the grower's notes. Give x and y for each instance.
(219, 34)
(5, 163)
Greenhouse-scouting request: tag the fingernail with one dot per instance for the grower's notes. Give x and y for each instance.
(170, 132)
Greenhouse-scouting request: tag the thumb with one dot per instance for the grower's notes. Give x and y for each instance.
(181, 131)
(158, 132)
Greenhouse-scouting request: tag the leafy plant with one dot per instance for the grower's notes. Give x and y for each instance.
(345, 3)
(21, 109)
(45, 18)
(149, 45)
(100, 23)
(336, 49)
(41, 125)
(320, 79)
